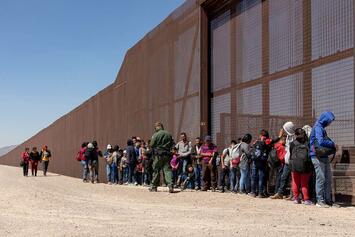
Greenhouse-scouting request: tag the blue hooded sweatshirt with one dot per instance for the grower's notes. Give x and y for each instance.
(319, 133)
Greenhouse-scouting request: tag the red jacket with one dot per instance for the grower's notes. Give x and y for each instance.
(281, 151)
(25, 157)
(82, 153)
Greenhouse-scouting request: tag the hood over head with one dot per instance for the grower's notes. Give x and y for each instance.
(307, 129)
(326, 118)
(289, 128)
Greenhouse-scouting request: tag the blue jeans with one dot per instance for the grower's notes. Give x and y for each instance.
(198, 176)
(279, 172)
(108, 173)
(187, 182)
(125, 172)
(244, 184)
(323, 179)
(114, 173)
(285, 179)
(234, 178)
(257, 178)
(85, 165)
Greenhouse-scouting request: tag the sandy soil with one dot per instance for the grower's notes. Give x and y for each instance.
(62, 206)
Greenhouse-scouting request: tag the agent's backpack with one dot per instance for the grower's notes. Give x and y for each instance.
(300, 160)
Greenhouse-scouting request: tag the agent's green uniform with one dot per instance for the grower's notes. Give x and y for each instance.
(162, 143)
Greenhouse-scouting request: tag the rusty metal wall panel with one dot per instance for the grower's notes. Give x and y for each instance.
(159, 80)
(299, 53)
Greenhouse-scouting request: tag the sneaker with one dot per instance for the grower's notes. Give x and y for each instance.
(153, 189)
(171, 190)
(322, 205)
(288, 198)
(297, 201)
(251, 195)
(262, 196)
(136, 183)
(197, 188)
(221, 190)
(126, 183)
(334, 205)
(204, 190)
(277, 196)
(308, 202)
(213, 189)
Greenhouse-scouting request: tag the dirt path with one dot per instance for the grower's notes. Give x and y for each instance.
(63, 206)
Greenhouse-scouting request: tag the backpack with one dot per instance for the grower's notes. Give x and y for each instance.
(78, 156)
(258, 152)
(273, 159)
(300, 160)
(236, 160)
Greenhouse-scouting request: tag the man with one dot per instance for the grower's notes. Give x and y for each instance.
(45, 155)
(108, 156)
(225, 165)
(259, 154)
(161, 144)
(319, 140)
(208, 154)
(196, 161)
(131, 160)
(99, 155)
(184, 151)
(92, 156)
(35, 157)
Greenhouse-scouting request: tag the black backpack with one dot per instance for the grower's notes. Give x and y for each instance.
(300, 160)
(258, 152)
(273, 159)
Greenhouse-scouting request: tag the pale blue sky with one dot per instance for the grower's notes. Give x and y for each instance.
(55, 54)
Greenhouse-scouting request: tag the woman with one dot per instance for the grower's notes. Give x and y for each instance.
(45, 155)
(244, 184)
(25, 161)
(34, 159)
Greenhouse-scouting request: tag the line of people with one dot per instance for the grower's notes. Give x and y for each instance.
(32, 158)
(245, 167)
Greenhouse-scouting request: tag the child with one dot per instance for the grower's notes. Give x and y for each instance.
(139, 172)
(188, 180)
(174, 163)
(281, 152)
(301, 166)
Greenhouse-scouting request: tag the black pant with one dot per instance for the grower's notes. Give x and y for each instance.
(25, 169)
(45, 167)
(222, 179)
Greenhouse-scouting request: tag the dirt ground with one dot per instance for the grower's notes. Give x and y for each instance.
(62, 206)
